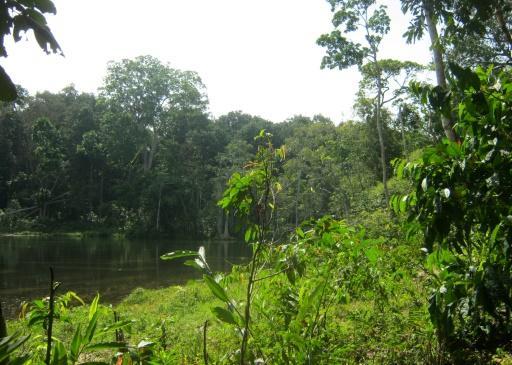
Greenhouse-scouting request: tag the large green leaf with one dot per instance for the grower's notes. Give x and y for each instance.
(60, 356)
(94, 306)
(179, 254)
(465, 77)
(215, 288)
(7, 88)
(45, 6)
(115, 326)
(10, 343)
(224, 315)
(76, 343)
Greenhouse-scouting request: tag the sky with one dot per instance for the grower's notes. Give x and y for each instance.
(257, 56)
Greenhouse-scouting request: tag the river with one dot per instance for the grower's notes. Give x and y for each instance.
(111, 267)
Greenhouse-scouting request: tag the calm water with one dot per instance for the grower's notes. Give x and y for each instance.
(111, 267)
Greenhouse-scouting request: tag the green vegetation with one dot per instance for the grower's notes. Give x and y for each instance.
(347, 266)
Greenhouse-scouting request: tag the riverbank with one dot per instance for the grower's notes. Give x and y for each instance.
(173, 320)
(65, 234)
(108, 233)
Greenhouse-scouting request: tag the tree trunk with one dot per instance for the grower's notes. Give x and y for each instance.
(226, 227)
(381, 138)
(439, 64)
(101, 189)
(91, 192)
(297, 199)
(402, 127)
(3, 333)
(158, 209)
(3, 326)
(151, 152)
(220, 216)
(346, 205)
(503, 25)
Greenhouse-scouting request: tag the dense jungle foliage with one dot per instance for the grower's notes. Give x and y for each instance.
(140, 165)
(348, 265)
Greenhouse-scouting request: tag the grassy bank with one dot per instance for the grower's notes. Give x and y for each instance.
(331, 296)
(173, 318)
(359, 331)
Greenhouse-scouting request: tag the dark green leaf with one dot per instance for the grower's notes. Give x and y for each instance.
(216, 289)
(45, 6)
(10, 343)
(465, 77)
(224, 315)
(7, 88)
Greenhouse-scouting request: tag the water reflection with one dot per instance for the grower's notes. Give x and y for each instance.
(111, 267)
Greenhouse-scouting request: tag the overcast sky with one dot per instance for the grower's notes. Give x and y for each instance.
(258, 56)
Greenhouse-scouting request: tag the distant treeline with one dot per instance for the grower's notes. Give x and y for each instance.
(145, 156)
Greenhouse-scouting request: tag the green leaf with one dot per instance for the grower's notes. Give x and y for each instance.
(91, 328)
(465, 77)
(19, 360)
(45, 6)
(194, 264)
(76, 342)
(20, 24)
(403, 204)
(179, 254)
(494, 233)
(94, 306)
(372, 254)
(114, 326)
(248, 234)
(36, 318)
(60, 356)
(215, 288)
(224, 315)
(10, 343)
(142, 344)
(7, 89)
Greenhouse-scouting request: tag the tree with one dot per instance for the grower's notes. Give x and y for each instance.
(425, 16)
(343, 53)
(50, 167)
(485, 25)
(310, 174)
(230, 161)
(153, 94)
(461, 201)
(18, 16)
(394, 81)
(11, 154)
(476, 19)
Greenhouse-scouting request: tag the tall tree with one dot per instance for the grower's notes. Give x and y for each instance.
(394, 77)
(342, 53)
(152, 93)
(425, 16)
(51, 163)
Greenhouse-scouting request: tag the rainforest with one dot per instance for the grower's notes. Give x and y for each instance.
(138, 228)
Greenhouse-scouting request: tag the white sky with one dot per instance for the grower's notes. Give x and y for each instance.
(258, 56)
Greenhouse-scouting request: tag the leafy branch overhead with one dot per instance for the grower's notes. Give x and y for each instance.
(350, 16)
(22, 16)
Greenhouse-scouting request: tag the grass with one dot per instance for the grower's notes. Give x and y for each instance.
(360, 331)
(172, 317)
